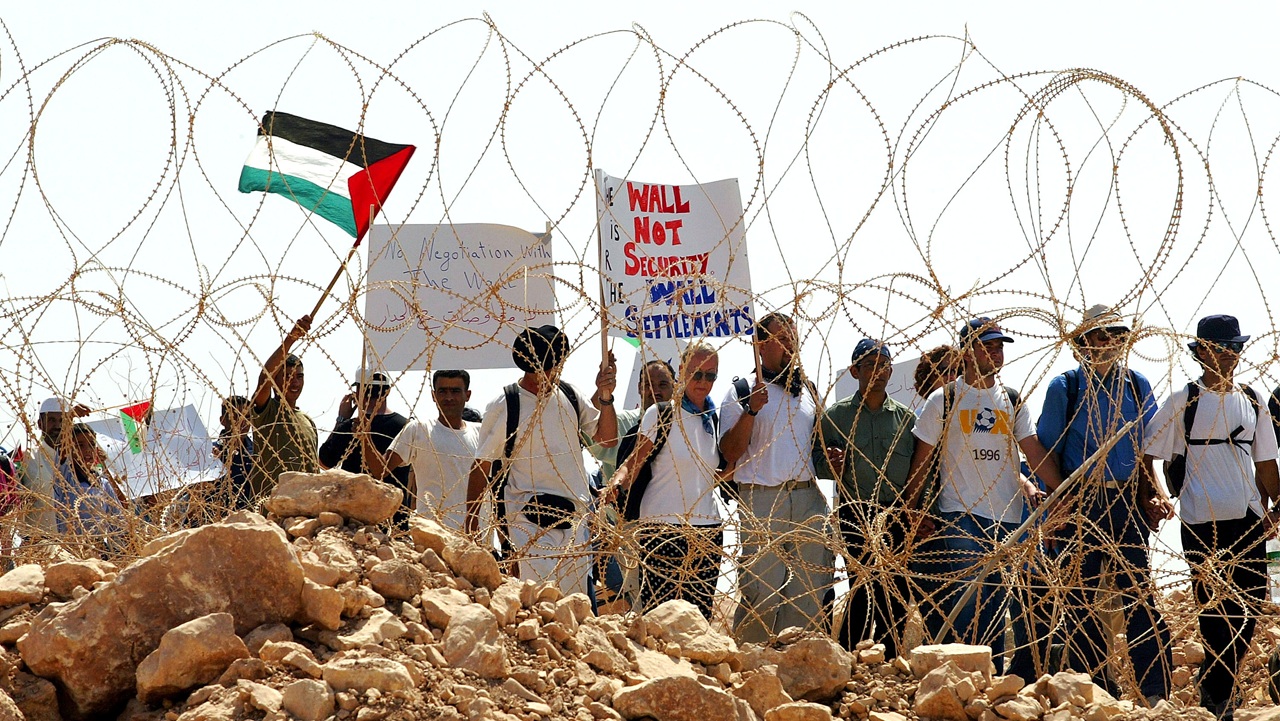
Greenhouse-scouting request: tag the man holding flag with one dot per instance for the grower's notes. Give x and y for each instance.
(286, 438)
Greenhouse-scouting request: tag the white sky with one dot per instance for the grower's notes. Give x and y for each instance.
(111, 235)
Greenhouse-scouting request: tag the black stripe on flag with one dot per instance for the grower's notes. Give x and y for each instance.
(356, 149)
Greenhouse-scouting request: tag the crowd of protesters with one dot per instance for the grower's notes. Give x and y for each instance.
(963, 508)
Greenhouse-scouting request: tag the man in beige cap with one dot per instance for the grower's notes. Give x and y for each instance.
(1116, 498)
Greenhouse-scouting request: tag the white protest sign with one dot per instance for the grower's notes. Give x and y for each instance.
(176, 451)
(674, 260)
(454, 296)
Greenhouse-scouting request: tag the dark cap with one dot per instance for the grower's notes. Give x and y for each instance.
(1218, 329)
(981, 330)
(540, 349)
(868, 346)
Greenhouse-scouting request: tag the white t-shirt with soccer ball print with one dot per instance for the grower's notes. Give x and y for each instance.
(980, 461)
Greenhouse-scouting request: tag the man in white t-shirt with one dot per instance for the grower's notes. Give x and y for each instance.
(1226, 481)
(543, 488)
(786, 539)
(978, 426)
(440, 451)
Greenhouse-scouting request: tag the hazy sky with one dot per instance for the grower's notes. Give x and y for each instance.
(134, 267)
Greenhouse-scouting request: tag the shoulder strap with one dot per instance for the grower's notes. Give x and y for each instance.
(1015, 398)
(1072, 378)
(512, 395)
(1189, 413)
(743, 389)
(572, 395)
(666, 411)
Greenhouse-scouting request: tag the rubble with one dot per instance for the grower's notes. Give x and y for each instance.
(337, 619)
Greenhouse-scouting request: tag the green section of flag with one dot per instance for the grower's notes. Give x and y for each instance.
(635, 342)
(131, 433)
(324, 202)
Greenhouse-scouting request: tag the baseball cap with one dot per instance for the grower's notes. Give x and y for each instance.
(1218, 329)
(369, 377)
(53, 405)
(981, 330)
(868, 346)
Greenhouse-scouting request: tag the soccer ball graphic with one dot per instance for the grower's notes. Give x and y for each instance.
(984, 421)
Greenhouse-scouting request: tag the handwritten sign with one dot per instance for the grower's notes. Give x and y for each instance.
(674, 259)
(454, 296)
(176, 451)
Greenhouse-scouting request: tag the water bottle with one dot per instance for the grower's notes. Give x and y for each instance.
(1273, 569)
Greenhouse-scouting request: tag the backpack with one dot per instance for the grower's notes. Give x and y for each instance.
(502, 468)
(629, 500)
(1176, 472)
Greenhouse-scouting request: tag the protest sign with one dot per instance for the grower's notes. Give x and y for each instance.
(454, 296)
(673, 260)
(174, 450)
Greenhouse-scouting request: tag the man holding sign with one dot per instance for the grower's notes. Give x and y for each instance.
(533, 428)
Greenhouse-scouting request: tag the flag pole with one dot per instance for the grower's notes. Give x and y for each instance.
(329, 289)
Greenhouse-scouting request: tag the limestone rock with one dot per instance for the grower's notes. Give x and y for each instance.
(397, 579)
(1068, 687)
(321, 605)
(799, 711)
(24, 584)
(362, 673)
(473, 641)
(1019, 708)
(505, 602)
(66, 576)
(1002, 686)
(966, 658)
(681, 623)
(599, 653)
(262, 697)
(428, 534)
(763, 690)
(936, 697)
(439, 605)
(381, 625)
(652, 664)
(308, 700)
(1193, 650)
(674, 699)
(259, 636)
(36, 697)
(192, 654)
(92, 646)
(815, 668)
(9, 710)
(473, 563)
(351, 495)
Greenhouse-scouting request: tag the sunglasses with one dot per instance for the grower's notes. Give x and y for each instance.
(705, 376)
(1231, 346)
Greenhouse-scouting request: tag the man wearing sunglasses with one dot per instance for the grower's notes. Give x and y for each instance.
(1114, 501)
(865, 443)
(1219, 448)
(767, 430)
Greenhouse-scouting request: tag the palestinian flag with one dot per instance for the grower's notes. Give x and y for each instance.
(332, 172)
(130, 417)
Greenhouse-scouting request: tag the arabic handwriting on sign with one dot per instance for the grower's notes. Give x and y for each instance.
(460, 317)
(388, 318)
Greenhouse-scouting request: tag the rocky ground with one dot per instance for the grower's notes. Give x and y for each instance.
(317, 614)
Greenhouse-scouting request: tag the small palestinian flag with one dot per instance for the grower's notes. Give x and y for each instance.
(130, 417)
(332, 172)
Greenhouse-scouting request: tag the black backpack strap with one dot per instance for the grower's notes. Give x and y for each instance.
(644, 474)
(1072, 378)
(572, 395)
(1015, 398)
(1189, 412)
(512, 395)
(743, 389)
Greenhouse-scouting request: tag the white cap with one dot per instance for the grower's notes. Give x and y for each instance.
(371, 377)
(52, 405)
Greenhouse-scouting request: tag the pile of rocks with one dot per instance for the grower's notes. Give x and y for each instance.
(316, 613)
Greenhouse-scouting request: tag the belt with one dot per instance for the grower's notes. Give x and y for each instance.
(1114, 484)
(784, 486)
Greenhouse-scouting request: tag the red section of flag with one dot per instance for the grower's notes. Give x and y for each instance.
(137, 411)
(372, 185)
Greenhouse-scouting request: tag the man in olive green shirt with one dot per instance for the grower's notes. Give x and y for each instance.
(865, 442)
(285, 438)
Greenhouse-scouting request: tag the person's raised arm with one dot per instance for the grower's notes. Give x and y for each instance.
(477, 482)
(606, 383)
(625, 475)
(267, 377)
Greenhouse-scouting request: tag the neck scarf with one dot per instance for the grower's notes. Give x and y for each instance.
(707, 414)
(790, 378)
